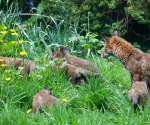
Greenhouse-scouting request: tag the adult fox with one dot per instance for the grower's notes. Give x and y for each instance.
(27, 65)
(63, 52)
(136, 61)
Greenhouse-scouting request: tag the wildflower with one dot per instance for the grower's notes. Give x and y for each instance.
(12, 30)
(21, 41)
(1, 60)
(3, 32)
(4, 65)
(7, 71)
(20, 76)
(64, 100)
(8, 79)
(23, 53)
(15, 34)
(4, 28)
(1, 40)
(14, 42)
(29, 110)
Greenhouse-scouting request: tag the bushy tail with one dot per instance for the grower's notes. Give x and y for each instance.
(136, 101)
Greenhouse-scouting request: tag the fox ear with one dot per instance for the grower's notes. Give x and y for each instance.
(52, 50)
(115, 33)
(106, 39)
(63, 49)
(45, 87)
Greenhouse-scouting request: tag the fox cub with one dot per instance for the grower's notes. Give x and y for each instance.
(138, 94)
(43, 99)
(74, 74)
(63, 52)
(28, 65)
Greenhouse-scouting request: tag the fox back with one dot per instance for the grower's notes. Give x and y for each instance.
(28, 65)
(63, 52)
(43, 99)
(138, 94)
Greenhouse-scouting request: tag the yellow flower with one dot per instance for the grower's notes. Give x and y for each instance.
(12, 30)
(14, 42)
(15, 34)
(1, 60)
(64, 100)
(4, 28)
(1, 40)
(3, 32)
(29, 110)
(8, 79)
(23, 53)
(7, 71)
(3, 65)
(21, 41)
(20, 76)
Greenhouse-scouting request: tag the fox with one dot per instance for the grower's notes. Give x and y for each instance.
(73, 73)
(135, 60)
(43, 99)
(28, 65)
(138, 94)
(63, 52)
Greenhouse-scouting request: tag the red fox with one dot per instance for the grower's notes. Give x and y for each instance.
(73, 73)
(63, 52)
(138, 94)
(18, 62)
(43, 99)
(136, 61)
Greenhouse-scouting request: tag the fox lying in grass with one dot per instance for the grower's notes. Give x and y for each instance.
(43, 99)
(28, 65)
(135, 61)
(138, 94)
(74, 74)
(63, 52)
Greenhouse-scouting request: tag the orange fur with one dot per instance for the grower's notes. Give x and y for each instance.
(43, 99)
(18, 62)
(136, 61)
(63, 52)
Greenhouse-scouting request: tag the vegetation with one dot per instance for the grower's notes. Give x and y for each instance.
(103, 101)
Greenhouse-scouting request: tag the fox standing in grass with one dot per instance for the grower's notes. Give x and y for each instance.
(135, 61)
(138, 94)
(43, 99)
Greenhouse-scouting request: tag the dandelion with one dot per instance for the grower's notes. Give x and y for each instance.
(4, 65)
(29, 110)
(14, 42)
(12, 30)
(4, 28)
(23, 53)
(1, 40)
(1, 60)
(7, 71)
(64, 100)
(20, 76)
(15, 34)
(21, 41)
(3, 32)
(8, 79)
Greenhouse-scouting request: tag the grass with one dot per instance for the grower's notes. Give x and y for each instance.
(102, 102)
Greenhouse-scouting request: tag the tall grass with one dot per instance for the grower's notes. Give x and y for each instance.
(102, 102)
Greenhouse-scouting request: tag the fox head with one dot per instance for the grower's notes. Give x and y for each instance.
(60, 53)
(108, 46)
(48, 91)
